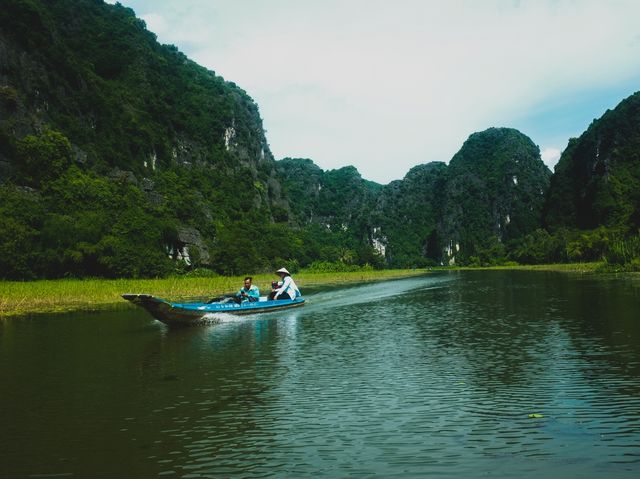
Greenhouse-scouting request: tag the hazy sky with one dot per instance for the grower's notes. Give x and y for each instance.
(387, 85)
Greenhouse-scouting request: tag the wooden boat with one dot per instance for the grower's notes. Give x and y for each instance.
(188, 313)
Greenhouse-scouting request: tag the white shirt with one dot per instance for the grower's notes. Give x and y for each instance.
(289, 287)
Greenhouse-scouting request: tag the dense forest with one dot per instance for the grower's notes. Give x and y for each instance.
(120, 157)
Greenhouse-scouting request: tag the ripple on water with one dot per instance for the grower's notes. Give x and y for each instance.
(459, 374)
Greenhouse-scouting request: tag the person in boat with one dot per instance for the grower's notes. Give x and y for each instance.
(285, 288)
(249, 292)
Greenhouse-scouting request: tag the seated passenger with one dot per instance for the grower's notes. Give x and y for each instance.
(286, 288)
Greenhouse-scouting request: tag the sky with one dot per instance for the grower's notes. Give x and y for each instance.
(388, 85)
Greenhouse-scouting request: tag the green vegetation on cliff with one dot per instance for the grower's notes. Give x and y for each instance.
(494, 195)
(335, 208)
(120, 157)
(592, 209)
(597, 180)
(407, 217)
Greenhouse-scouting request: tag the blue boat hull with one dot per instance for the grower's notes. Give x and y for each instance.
(188, 313)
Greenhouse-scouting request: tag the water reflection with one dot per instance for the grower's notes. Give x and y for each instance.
(425, 376)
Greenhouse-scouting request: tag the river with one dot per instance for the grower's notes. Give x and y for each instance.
(460, 374)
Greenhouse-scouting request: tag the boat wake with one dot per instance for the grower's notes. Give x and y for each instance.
(346, 296)
(218, 318)
(372, 292)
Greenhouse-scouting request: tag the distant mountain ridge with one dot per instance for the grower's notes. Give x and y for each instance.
(492, 191)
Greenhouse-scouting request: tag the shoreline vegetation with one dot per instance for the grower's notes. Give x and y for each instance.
(74, 295)
(20, 298)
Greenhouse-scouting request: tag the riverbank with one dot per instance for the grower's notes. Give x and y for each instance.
(48, 296)
(595, 267)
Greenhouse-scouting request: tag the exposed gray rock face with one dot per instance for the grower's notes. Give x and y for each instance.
(123, 176)
(190, 247)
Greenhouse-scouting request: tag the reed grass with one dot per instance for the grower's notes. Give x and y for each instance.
(46, 296)
(582, 268)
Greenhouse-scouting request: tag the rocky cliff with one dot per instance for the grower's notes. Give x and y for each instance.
(93, 72)
(88, 96)
(597, 180)
(495, 193)
(121, 157)
(407, 215)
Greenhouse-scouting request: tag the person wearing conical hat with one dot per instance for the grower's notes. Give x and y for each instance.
(286, 288)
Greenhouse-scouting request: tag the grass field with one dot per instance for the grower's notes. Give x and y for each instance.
(20, 298)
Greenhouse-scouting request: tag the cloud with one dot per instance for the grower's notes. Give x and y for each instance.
(156, 23)
(550, 157)
(374, 83)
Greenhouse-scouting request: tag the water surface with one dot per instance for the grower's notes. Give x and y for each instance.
(431, 376)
